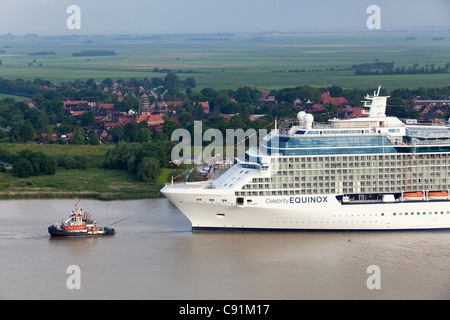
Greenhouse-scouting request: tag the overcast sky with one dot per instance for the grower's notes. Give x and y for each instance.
(204, 16)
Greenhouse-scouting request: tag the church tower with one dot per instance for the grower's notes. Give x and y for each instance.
(144, 105)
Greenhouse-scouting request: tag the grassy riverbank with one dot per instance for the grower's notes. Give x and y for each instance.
(94, 182)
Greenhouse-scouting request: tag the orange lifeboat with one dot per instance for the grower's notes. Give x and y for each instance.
(413, 196)
(438, 195)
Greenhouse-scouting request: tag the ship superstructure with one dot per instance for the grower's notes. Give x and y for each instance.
(369, 173)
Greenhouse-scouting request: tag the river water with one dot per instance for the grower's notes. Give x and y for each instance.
(154, 255)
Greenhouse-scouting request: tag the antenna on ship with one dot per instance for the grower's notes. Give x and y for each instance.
(275, 124)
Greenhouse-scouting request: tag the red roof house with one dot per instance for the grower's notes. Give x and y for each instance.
(338, 101)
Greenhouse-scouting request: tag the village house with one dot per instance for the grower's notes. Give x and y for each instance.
(5, 166)
(428, 103)
(268, 99)
(338, 101)
(205, 106)
(154, 121)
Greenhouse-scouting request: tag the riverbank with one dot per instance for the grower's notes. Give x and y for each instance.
(95, 182)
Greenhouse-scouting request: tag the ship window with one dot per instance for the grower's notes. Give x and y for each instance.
(240, 201)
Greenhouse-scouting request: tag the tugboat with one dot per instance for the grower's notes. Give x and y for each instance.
(79, 224)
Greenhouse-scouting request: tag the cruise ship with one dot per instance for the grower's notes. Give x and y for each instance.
(371, 173)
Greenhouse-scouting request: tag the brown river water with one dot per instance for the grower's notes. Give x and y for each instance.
(154, 255)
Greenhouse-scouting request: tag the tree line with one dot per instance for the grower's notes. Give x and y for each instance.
(387, 68)
(27, 163)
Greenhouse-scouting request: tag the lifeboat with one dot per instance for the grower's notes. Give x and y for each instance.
(441, 195)
(78, 224)
(413, 196)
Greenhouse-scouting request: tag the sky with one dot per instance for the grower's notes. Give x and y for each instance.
(49, 17)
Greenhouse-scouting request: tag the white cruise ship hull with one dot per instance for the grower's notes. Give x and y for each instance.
(307, 213)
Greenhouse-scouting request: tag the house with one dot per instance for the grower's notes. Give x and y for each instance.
(268, 99)
(441, 102)
(70, 105)
(356, 113)
(154, 121)
(254, 117)
(205, 106)
(227, 116)
(174, 103)
(338, 101)
(30, 104)
(316, 107)
(93, 102)
(104, 106)
(5, 166)
(44, 137)
(105, 136)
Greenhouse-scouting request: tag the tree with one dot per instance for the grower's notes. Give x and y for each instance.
(37, 118)
(148, 169)
(172, 81)
(47, 165)
(198, 111)
(117, 158)
(170, 125)
(77, 137)
(129, 131)
(26, 132)
(30, 163)
(185, 117)
(189, 83)
(335, 91)
(87, 118)
(143, 135)
(23, 168)
(93, 139)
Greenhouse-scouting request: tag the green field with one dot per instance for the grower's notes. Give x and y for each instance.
(262, 61)
(95, 182)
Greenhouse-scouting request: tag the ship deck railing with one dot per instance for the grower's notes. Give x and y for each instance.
(288, 124)
(190, 185)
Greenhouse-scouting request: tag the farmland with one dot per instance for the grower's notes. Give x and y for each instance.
(227, 61)
(267, 61)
